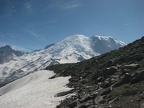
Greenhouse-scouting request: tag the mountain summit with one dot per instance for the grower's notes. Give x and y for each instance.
(72, 49)
(87, 46)
(7, 54)
(103, 44)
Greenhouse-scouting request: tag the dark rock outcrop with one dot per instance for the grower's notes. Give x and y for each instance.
(48, 46)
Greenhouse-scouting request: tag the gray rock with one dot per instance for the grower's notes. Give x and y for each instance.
(124, 79)
(106, 91)
(130, 67)
(83, 106)
(72, 105)
(142, 105)
(92, 106)
(86, 98)
(103, 101)
(137, 77)
(63, 93)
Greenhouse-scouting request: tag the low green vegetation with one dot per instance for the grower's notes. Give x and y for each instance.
(127, 90)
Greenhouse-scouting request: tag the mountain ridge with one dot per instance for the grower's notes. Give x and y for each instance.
(7, 54)
(70, 50)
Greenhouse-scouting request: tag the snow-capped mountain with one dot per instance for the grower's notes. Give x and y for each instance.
(7, 54)
(102, 44)
(70, 50)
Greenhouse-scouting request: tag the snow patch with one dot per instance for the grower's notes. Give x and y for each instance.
(35, 90)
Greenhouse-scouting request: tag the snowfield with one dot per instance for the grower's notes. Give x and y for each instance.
(35, 90)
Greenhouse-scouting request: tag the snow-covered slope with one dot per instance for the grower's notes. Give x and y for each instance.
(34, 91)
(70, 50)
(102, 44)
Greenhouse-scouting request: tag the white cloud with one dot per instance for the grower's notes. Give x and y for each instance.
(126, 24)
(64, 5)
(72, 6)
(28, 6)
(35, 34)
(19, 48)
(32, 32)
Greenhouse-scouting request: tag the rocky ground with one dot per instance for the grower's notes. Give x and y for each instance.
(112, 80)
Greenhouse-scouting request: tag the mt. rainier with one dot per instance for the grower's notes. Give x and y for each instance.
(70, 50)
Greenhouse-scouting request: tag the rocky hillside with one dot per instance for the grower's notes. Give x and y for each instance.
(111, 80)
(7, 54)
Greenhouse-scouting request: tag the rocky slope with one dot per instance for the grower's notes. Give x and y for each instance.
(73, 49)
(111, 80)
(7, 54)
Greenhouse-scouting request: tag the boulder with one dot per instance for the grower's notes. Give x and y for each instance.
(136, 77)
(63, 93)
(72, 104)
(106, 91)
(106, 83)
(130, 67)
(92, 106)
(86, 98)
(124, 79)
(125, 71)
(99, 79)
(142, 105)
(83, 106)
(110, 63)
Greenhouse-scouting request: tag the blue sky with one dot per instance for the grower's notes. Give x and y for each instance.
(32, 24)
